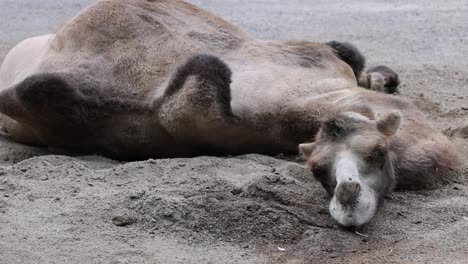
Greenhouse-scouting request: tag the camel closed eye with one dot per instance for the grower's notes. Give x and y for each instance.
(376, 155)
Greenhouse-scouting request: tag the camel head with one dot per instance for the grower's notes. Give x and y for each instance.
(351, 159)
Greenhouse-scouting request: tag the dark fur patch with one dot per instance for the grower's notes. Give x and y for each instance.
(47, 93)
(208, 69)
(39, 89)
(65, 96)
(391, 78)
(349, 54)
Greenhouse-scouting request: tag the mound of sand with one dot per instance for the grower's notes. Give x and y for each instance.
(250, 209)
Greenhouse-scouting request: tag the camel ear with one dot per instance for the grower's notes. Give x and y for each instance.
(389, 123)
(306, 149)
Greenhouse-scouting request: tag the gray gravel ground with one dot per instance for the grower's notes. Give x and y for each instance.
(56, 209)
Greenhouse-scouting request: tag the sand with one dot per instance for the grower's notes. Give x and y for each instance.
(250, 208)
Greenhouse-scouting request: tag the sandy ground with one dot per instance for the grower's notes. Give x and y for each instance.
(252, 208)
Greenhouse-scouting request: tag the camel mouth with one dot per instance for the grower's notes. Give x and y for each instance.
(347, 193)
(353, 204)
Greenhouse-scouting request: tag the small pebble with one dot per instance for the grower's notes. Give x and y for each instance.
(236, 191)
(137, 195)
(123, 220)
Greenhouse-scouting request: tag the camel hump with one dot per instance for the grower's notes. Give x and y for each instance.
(42, 96)
(61, 98)
(213, 77)
(49, 90)
(349, 54)
(196, 105)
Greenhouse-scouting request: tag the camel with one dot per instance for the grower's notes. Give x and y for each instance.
(137, 79)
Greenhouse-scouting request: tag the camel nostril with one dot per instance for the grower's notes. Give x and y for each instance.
(356, 187)
(347, 192)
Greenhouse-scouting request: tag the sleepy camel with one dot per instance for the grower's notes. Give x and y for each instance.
(134, 79)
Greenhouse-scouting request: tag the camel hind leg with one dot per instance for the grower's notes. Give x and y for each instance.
(196, 108)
